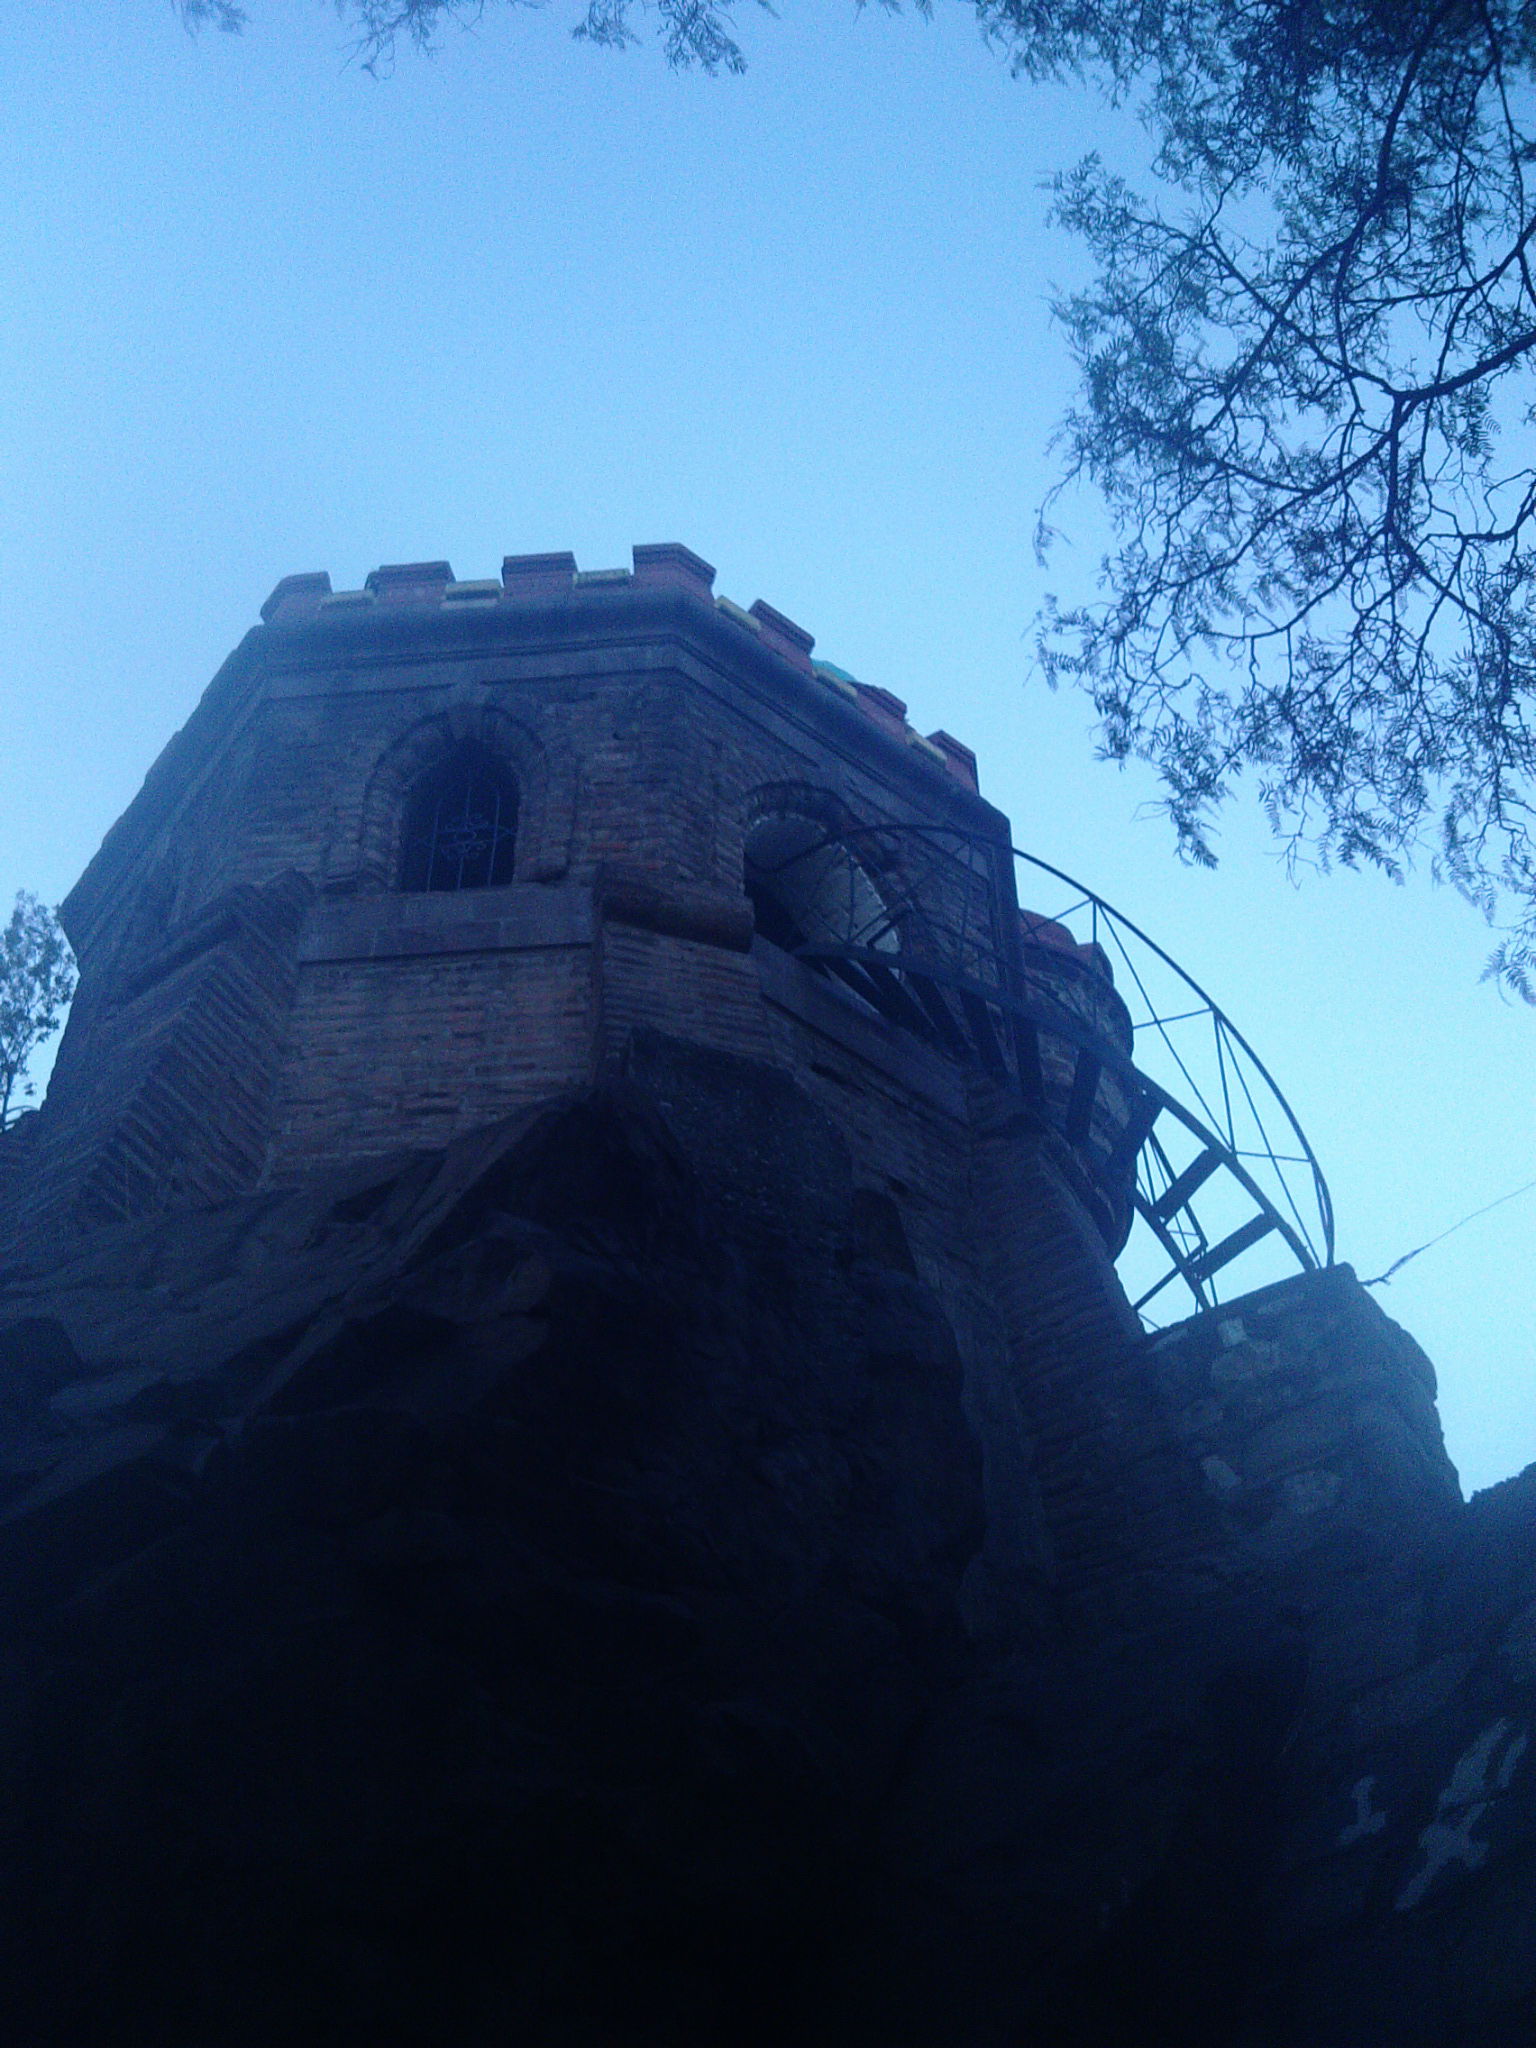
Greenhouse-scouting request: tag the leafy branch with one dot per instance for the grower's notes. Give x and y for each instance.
(37, 979)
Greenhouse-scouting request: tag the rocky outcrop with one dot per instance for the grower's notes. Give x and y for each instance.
(520, 1594)
(1397, 1899)
(490, 1602)
(1403, 1897)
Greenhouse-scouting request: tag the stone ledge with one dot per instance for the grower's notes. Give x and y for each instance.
(523, 916)
(653, 903)
(809, 999)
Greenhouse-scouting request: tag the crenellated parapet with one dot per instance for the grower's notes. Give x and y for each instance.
(554, 578)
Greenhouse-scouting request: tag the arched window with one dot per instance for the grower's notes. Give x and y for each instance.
(807, 889)
(461, 825)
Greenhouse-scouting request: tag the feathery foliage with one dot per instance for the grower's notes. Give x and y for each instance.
(37, 979)
(1305, 372)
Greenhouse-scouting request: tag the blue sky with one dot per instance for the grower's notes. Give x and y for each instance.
(266, 314)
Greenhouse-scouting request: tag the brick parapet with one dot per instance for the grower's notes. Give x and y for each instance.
(821, 1017)
(410, 582)
(688, 988)
(295, 596)
(529, 578)
(667, 565)
(542, 580)
(412, 1052)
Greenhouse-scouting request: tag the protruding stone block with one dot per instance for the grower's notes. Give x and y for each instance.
(409, 582)
(669, 565)
(884, 708)
(712, 917)
(958, 758)
(784, 636)
(535, 576)
(295, 594)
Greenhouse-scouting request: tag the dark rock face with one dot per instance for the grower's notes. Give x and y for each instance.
(1403, 1901)
(516, 1596)
(499, 1613)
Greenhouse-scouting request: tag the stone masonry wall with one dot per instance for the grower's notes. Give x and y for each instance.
(164, 1097)
(1310, 1417)
(407, 1053)
(643, 727)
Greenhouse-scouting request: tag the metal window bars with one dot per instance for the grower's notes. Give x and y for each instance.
(461, 828)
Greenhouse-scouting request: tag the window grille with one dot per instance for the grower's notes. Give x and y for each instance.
(461, 827)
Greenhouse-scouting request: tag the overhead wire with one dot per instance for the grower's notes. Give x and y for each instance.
(1381, 1279)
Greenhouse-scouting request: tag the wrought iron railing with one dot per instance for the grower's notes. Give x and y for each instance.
(1191, 1160)
(1228, 1187)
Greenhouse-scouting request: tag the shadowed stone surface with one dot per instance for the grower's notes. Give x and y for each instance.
(516, 1596)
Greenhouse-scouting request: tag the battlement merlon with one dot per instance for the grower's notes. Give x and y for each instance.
(423, 610)
(540, 579)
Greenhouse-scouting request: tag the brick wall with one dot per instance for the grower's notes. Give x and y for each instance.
(1117, 1490)
(647, 726)
(701, 992)
(163, 1089)
(403, 1052)
(647, 734)
(639, 753)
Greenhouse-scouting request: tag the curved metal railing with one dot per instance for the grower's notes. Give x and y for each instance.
(1191, 1160)
(1231, 1171)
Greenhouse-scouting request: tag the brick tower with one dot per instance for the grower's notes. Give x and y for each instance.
(574, 1463)
(431, 852)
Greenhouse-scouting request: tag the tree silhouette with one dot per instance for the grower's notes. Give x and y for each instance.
(1300, 366)
(37, 979)
(1297, 387)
